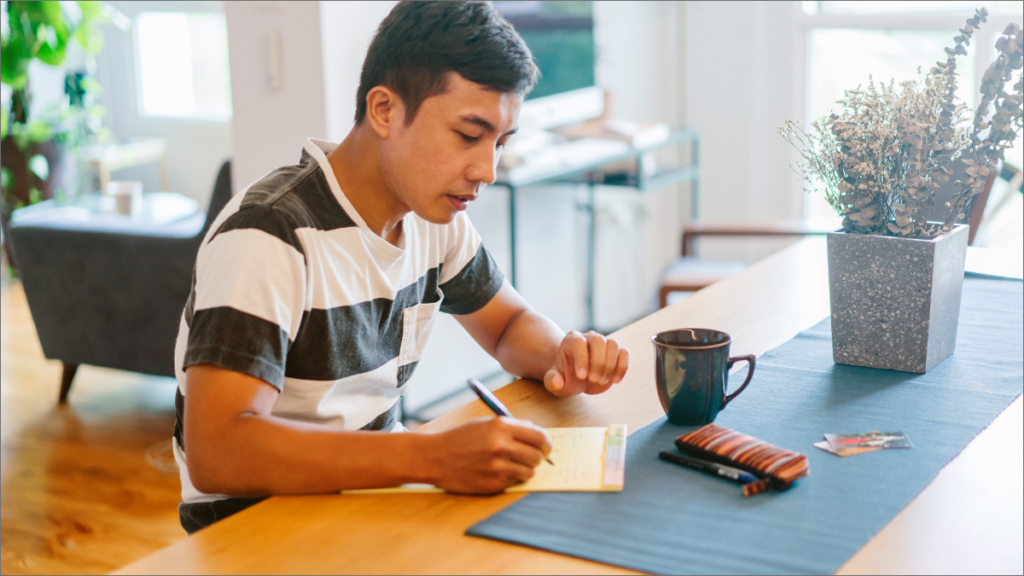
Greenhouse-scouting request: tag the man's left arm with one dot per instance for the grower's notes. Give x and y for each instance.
(529, 345)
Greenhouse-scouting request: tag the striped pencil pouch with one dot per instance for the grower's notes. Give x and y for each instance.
(776, 468)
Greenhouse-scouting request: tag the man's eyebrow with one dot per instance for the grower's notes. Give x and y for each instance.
(474, 119)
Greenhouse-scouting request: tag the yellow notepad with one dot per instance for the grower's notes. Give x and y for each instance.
(586, 460)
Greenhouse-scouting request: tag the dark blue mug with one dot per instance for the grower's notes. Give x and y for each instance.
(691, 367)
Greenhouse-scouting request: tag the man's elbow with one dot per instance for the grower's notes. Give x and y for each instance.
(211, 467)
(208, 474)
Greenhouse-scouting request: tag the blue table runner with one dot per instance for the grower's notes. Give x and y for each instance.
(676, 521)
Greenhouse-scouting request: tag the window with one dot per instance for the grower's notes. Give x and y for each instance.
(183, 65)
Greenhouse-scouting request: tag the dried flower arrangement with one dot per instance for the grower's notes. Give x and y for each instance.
(880, 162)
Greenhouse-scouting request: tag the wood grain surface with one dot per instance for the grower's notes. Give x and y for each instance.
(762, 307)
(77, 494)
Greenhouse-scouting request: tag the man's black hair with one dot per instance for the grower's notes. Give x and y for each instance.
(419, 43)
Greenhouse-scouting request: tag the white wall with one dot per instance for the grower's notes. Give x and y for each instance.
(346, 29)
(270, 126)
(195, 148)
(638, 61)
(743, 81)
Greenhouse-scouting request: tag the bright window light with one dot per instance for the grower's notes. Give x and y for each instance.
(183, 65)
(842, 59)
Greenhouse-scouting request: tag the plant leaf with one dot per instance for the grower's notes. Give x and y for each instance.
(37, 131)
(6, 178)
(39, 166)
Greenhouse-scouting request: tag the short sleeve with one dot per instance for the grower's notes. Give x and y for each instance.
(469, 276)
(248, 300)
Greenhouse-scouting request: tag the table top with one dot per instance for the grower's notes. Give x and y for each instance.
(158, 208)
(967, 520)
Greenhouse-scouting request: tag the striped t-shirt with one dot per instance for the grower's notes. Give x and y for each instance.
(292, 287)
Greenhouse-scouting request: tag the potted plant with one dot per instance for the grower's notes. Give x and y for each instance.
(38, 158)
(895, 277)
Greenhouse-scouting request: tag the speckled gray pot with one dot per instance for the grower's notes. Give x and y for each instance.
(895, 301)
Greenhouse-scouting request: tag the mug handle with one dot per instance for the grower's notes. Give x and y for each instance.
(750, 374)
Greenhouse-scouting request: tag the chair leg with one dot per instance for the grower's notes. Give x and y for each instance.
(65, 382)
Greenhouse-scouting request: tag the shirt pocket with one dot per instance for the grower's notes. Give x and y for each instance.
(417, 321)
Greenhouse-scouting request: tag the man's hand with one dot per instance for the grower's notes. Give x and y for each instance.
(487, 456)
(588, 363)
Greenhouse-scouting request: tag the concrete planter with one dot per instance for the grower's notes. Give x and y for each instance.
(895, 301)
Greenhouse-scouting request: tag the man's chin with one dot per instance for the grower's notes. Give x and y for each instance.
(437, 216)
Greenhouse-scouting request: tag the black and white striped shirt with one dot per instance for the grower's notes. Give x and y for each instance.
(291, 287)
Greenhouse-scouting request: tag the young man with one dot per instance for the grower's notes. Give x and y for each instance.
(315, 290)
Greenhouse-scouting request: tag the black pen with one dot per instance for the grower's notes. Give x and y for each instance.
(712, 468)
(492, 402)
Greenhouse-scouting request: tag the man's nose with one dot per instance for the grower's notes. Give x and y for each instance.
(485, 165)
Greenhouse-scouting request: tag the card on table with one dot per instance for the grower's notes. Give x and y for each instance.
(872, 439)
(844, 452)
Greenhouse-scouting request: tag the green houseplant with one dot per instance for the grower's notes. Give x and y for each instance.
(895, 273)
(37, 151)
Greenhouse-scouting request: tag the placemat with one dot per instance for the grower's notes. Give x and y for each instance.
(676, 521)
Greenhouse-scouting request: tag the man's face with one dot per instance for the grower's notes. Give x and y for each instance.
(441, 161)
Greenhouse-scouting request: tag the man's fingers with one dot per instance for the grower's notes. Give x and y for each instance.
(596, 344)
(525, 454)
(611, 354)
(529, 433)
(581, 356)
(516, 473)
(554, 382)
(621, 365)
(598, 388)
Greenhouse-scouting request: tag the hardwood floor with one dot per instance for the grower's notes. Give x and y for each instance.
(76, 492)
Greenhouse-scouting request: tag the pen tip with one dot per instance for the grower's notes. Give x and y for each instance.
(549, 460)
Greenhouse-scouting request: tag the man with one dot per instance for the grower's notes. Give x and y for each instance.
(315, 290)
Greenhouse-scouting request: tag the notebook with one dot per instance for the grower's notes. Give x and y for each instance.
(586, 460)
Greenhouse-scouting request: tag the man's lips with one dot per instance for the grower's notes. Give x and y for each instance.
(461, 201)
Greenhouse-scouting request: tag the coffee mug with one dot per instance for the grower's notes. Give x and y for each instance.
(692, 372)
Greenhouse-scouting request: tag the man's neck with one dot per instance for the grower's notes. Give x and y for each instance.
(356, 165)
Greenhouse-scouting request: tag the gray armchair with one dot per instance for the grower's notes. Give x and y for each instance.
(111, 295)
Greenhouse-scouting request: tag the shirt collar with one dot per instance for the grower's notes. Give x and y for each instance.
(318, 151)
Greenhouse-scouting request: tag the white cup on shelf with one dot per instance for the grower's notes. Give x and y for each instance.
(127, 195)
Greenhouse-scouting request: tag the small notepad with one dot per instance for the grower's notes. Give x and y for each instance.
(586, 460)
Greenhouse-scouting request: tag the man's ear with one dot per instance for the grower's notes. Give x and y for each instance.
(384, 110)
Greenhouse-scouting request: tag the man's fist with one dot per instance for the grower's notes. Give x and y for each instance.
(588, 363)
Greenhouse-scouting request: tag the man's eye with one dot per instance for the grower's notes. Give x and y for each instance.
(468, 138)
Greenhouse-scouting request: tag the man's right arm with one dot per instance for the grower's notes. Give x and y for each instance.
(235, 446)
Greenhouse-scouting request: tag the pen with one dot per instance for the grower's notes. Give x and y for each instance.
(492, 402)
(711, 468)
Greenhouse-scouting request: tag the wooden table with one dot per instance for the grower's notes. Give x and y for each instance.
(968, 519)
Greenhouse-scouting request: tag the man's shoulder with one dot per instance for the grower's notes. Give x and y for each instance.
(299, 194)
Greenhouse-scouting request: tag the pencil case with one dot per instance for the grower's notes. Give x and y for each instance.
(776, 468)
